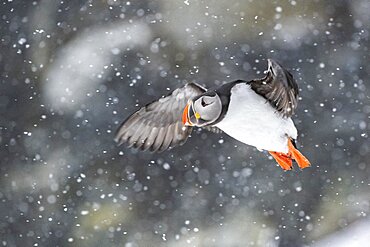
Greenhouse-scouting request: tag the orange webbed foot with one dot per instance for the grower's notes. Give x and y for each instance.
(282, 159)
(301, 160)
(285, 160)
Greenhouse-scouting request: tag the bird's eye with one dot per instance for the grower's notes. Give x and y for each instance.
(204, 104)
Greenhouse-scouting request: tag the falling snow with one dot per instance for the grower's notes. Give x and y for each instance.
(71, 72)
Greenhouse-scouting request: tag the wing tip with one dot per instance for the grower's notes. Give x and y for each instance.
(118, 137)
(118, 141)
(281, 73)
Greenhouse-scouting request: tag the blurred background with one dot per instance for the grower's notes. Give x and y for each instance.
(71, 71)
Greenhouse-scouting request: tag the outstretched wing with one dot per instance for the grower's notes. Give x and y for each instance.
(279, 88)
(157, 126)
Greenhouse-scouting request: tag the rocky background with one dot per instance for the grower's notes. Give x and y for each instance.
(71, 71)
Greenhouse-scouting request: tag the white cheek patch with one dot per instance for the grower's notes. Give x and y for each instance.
(198, 106)
(212, 111)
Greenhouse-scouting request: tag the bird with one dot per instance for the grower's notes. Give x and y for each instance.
(256, 112)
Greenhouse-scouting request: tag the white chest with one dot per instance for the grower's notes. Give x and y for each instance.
(253, 121)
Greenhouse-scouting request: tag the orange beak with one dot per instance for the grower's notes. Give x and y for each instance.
(185, 114)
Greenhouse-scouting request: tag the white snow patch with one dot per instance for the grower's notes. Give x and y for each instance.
(84, 212)
(355, 235)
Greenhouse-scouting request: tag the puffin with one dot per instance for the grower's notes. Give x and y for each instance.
(256, 112)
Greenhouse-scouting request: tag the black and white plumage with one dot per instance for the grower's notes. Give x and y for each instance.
(255, 112)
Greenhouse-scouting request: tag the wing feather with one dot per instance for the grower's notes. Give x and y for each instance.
(167, 139)
(279, 88)
(158, 140)
(134, 139)
(151, 138)
(157, 126)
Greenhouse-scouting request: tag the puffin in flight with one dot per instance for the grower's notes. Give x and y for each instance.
(256, 112)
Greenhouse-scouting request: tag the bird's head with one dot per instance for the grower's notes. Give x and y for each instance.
(202, 110)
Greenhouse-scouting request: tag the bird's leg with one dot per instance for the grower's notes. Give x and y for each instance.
(301, 160)
(282, 159)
